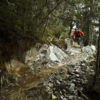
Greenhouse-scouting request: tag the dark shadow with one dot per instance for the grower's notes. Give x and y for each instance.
(14, 45)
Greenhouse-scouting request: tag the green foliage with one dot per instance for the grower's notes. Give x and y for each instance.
(22, 16)
(29, 18)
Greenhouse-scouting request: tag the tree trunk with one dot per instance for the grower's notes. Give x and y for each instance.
(97, 69)
(71, 26)
(98, 54)
(86, 28)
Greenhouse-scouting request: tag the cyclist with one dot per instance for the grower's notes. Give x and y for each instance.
(78, 35)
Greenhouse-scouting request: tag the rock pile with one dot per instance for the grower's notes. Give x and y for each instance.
(45, 80)
(79, 73)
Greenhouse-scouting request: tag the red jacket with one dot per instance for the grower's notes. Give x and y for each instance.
(76, 32)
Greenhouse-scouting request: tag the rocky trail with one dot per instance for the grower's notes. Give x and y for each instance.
(51, 74)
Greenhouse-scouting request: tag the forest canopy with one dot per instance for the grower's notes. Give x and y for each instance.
(30, 18)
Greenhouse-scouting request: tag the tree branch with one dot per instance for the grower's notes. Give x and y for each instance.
(51, 12)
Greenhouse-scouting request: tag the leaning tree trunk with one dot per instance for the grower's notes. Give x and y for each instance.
(97, 70)
(98, 53)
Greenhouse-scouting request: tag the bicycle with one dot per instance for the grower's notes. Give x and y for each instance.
(79, 40)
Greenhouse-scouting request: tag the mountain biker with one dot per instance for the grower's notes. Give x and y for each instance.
(78, 35)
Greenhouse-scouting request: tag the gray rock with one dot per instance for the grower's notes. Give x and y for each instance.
(50, 84)
(70, 97)
(61, 97)
(72, 86)
(75, 98)
(68, 42)
(58, 82)
(65, 99)
(56, 54)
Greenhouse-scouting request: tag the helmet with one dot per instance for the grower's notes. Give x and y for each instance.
(76, 29)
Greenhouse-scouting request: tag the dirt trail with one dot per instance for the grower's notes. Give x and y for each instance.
(32, 80)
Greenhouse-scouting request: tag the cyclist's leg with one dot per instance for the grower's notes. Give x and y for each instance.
(74, 41)
(78, 41)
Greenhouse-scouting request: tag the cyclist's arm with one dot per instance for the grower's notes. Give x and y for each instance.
(74, 34)
(82, 33)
